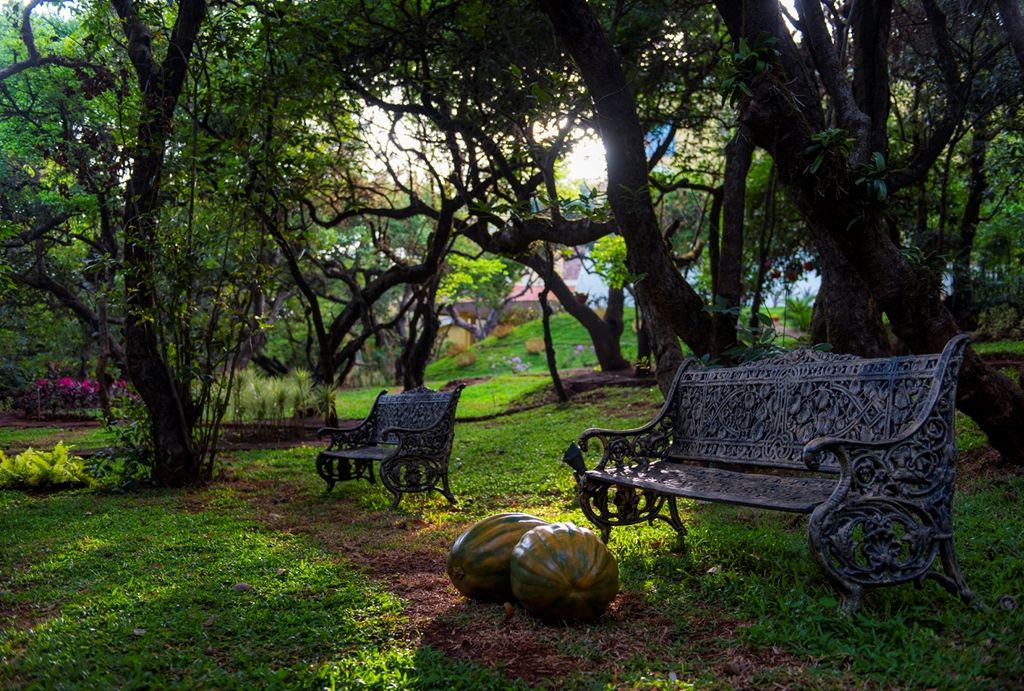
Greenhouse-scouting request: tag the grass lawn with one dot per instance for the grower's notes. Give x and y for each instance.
(260, 580)
(15, 438)
(495, 355)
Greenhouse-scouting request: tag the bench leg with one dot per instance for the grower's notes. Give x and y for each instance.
(609, 506)
(872, 542)
(398, 498)
(952, 580)
(325, 469)
(404, 474)
(446, 491)
(363, 469)
(675, 521)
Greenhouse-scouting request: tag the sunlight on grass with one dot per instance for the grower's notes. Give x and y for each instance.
(122, 591)
(146, 589)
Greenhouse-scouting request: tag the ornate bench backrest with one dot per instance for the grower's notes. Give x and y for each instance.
(762, 413)
(419, 408)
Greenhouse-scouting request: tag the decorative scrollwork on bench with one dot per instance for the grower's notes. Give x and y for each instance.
(608, 506)
(864, 444)
(410, 434)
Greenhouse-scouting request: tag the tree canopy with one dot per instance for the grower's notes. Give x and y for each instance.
(185, 182)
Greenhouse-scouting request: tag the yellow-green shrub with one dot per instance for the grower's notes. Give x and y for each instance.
(32, 468)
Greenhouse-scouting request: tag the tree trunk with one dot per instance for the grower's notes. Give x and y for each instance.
(1010, 12)
(549, 345)
(423, 329)
(961, 299)
(851, 318)
(672, 306)
(764, 245)
(168, 403)
(605, 333)
(846, 217)
(728, 272)
(644, 352)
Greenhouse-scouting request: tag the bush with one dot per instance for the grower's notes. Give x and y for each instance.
(466, 358)
(34, 469)
(518, 315)
(503, 331)
(534, 345)
(999, 322)
(67, 396)
(258, 398)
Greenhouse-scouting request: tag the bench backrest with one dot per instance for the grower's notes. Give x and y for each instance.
(420, 408)
(762, 413)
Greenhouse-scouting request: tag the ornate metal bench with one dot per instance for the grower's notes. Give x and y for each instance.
(864, 445)
(410, 434)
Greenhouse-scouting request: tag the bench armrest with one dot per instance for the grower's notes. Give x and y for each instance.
(914, 463)
(633, 446)
(650, 441)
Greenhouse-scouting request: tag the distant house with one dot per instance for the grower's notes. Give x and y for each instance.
(526, 292)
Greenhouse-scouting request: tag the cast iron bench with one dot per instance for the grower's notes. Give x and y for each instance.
(409, 434)
(863, 445)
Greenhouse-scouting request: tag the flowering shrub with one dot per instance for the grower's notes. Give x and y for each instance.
(67, 395)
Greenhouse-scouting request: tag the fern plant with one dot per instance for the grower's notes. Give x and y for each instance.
(34, 469)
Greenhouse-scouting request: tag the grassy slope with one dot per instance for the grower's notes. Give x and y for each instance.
(138, 590)
(493, 355)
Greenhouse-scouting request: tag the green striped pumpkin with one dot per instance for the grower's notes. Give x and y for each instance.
(478, 561)
(561, 572)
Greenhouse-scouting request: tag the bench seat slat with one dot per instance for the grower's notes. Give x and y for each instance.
(782, 493)
(366, 453)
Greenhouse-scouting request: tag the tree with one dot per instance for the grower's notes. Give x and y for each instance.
(832, 173)
(125, 148)
(843, 197)
(485, 282)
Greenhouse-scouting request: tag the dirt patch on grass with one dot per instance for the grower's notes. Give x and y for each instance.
(409, 556)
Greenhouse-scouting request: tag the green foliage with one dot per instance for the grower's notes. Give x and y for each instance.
(33, 469)
(799, 311)
(833, 145)
(872, 177)
(999, 323)
(751, 60)
(256, 397)
(130, 460)
(485, 280)
(609, 257)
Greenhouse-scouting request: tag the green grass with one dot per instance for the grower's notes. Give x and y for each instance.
(480, 398)
(14, 439)
(494, 355)
(999, 347)
(137, 590)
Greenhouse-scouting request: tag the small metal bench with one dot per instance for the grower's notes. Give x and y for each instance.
(864, 445)
(409, 434)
